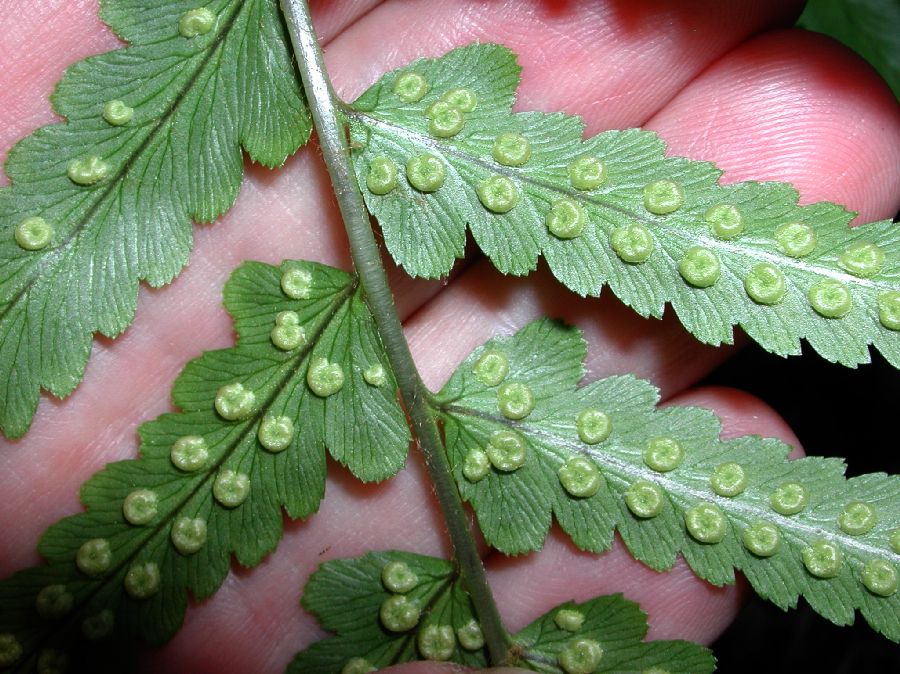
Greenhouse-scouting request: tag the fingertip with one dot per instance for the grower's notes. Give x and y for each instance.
(741, 414)
(794, 106)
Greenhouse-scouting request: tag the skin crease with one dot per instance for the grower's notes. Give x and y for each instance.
(761, 101)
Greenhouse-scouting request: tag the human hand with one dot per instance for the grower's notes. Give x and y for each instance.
(716, 81)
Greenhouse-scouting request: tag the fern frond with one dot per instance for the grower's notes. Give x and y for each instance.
(614, 210)
(308, 373)
(153, 139)
(527, 444)
(362, 600)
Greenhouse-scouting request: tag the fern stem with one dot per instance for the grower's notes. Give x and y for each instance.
(367, 260)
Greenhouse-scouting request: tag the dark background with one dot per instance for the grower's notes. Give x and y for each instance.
(828, 406)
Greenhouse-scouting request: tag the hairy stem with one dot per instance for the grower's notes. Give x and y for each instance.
(367, 260)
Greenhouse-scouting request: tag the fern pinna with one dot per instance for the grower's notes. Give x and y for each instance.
(320, 367)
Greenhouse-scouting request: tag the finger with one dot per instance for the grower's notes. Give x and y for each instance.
(614, 62)
(797, 107)
(679, 605)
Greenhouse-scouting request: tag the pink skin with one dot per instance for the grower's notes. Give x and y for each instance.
(720, 82)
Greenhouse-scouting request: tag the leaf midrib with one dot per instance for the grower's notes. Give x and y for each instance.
(737, 509)
(388, 129)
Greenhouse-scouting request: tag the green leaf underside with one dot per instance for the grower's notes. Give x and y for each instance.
(515, 509)
(346, 596)
(197, 101)
(361, 425)
(425, 231)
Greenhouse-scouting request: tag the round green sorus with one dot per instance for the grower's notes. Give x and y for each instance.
(587, 173)
(581, 656)
(445, 121)
(188, 535)
(53, 602)
(52, 661)
(498, 194)
(889, 309)
(94, 557)
(140, 506)
(398, 613)
(297, 283)
(830, 298)
(515, 400)
(470, 636)
(375, 375)
(357, 666)
(663, 197)
(99, 626)
(569, 619)
(593, 426)
(895, 540)
(822, 559)
(725, 221)
(190, 453)
(142, 580)
(410, 87)
(436, 642)
(857, 518)
(644, 499)
(580, 477)
(511, 149)
(566, 219)
(234, 402)
(10, 649)
(425, 172)
(789, 499)
(231, 488)
(397, 577)
(382, 176)
(288, 334)
(491, 367)
(115, 112)
(880, 577)
(700, 267)
(464, 99)
(862, 259)
(663, 454)
(795, 239)
(275, 432)
(476, 466)
(506, 450)
(87, 171)
(728, 479)
(762, 539)
(324, 378)
(633, 243)
(706, 523)
(765, 284)
(33, 233)
(196, 22)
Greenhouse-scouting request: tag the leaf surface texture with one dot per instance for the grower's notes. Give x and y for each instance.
(515, 506)
(195, 101)
(656, 229)
(361, 425)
